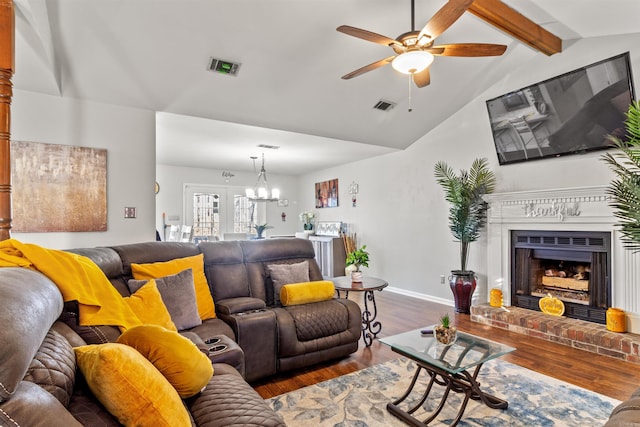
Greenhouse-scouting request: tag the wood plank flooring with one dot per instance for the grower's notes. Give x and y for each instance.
(399, 313)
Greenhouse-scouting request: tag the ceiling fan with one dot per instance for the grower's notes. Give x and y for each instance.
(415, 50)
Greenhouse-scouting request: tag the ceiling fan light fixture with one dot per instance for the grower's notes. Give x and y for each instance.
(412, 62)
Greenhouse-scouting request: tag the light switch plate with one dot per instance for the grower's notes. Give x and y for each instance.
(129, 212)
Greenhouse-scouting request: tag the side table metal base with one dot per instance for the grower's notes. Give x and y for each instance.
(370, 326)
(459, 383)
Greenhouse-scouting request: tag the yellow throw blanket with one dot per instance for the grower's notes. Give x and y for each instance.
(78, 278)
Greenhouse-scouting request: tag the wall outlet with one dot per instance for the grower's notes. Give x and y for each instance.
(442, 279)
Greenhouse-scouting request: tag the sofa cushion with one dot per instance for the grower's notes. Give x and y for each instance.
(176, 357)
(54, 367)
(179, 295)
(147, 304)
(307, 292)
(229, 401)
(88, 410)
(206, 308)
(90, 334)
(130, 387)
(282, 274)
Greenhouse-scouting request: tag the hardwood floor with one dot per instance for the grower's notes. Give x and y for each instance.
(399, 313)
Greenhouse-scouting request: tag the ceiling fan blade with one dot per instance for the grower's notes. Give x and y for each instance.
(423, 78)
(444, 18)
(469, 49)
(369, 67)
(367, 35)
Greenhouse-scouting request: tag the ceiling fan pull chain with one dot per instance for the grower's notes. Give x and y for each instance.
(410, 81)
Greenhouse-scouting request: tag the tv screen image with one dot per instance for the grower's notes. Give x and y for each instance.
(568, 114)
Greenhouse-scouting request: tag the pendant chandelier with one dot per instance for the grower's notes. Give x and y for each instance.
(261, 191)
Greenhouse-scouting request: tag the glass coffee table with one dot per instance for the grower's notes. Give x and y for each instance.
(454, 367)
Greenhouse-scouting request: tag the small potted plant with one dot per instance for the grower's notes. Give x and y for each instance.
(260, 230)
(445, 333)
(358, 258)
(307, 220)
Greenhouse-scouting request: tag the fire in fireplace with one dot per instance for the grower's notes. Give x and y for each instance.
(573, 266)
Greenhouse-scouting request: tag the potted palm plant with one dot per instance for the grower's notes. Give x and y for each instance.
(260, 229)
(358, 258)
(625, 188)
(467, 216)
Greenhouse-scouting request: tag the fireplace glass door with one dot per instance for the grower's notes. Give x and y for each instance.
(571, 266)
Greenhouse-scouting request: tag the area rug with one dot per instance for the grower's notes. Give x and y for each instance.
(360, 399)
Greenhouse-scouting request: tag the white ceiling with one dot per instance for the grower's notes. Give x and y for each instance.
(153, 54)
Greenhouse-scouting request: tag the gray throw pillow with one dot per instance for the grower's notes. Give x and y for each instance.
(283, 274)
(179, 295)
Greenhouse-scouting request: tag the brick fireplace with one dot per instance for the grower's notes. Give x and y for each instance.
(539, 225)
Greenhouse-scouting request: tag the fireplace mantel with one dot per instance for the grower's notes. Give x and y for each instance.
(566, 209)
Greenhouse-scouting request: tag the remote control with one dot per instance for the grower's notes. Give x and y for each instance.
(427, 331)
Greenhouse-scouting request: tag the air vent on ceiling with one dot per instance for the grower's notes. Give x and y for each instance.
(223, 67)
(383, 105)
(269, 147)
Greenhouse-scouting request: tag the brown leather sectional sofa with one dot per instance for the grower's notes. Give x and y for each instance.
(38, 378)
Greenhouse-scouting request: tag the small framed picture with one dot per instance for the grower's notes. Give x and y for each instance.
(326, 193)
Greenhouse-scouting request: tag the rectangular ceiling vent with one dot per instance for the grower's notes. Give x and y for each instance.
(223, 67)
(269, 147)
(383, 105)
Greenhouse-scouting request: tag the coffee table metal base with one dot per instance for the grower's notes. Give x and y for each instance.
(463, 382)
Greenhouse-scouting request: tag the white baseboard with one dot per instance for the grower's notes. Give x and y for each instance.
(419, 296)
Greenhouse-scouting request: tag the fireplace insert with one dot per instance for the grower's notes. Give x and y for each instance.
(573, 266)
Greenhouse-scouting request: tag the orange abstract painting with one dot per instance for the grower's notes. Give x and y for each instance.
(58, 187)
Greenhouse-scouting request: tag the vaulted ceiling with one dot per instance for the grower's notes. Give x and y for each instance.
(153, 54)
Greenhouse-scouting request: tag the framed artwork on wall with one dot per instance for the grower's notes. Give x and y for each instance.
(327, 194)
(58, 187)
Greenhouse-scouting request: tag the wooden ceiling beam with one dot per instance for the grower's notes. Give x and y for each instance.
(516, 25)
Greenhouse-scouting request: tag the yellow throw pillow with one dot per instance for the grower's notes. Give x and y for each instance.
(176, 357)
(130, 387)
(147, 304)
(155, 270)
(307, 292)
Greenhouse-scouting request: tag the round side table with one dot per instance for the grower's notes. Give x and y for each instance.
(370, 327)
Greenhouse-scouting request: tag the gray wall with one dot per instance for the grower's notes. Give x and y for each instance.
(128, 135)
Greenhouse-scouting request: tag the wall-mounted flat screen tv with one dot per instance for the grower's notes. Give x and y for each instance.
(568, 114)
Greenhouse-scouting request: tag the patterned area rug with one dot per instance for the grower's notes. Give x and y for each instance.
(360, 399)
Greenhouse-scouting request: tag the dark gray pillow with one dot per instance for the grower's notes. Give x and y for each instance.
(283, 274)
(179, 295)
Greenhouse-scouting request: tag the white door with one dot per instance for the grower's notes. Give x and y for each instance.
(215, 210)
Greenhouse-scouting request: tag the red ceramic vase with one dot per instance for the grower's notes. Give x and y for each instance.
(462, 284)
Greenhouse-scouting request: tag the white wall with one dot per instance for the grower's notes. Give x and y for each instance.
(173, 178)
(402, 215)
(128, 135)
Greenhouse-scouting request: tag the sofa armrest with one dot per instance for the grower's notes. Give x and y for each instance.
(28, 405)
(626, 414)
(239, 305)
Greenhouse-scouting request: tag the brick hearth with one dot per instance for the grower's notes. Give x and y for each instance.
(580, 334)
